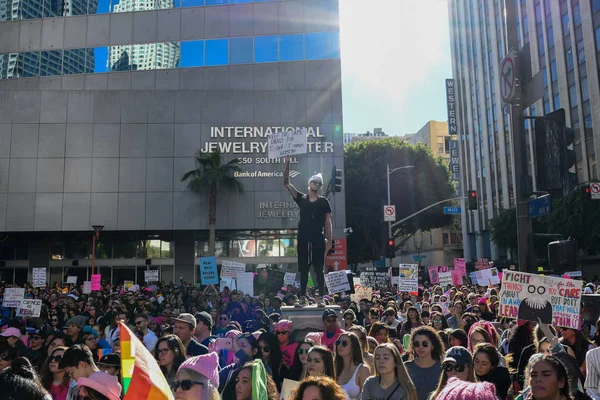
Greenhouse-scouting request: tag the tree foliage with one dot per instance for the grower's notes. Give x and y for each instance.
(412, 189)
(504, 229)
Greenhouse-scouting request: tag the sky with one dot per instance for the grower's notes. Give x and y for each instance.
(395, 59)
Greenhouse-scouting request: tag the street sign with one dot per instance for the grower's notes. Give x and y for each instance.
(419, 257)
(389, 213)
(337, 261)
(452, 210)
(595, 190)
(508, 78)
(540, 206)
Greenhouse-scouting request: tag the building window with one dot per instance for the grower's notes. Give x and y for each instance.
(192, 54)
(595, 6)
(598, 39)
(547, 108)
(317, 46)
(576, 15)
(566, 25)
(266, 49)
(241, 50)
(557, 101)
(580, 52)
(585, 91)
(550, 37)
(542, 49)
(553, 71)
(217, 52)
(569, 58)
(291, 47)
(573, 96)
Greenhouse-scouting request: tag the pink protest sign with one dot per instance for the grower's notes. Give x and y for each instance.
(456, 278)
(460, 265)
(482, 263)
(442, 268)
(434, 276)
(95, 282)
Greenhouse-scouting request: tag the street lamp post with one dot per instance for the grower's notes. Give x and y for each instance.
(97, 229)
(389, 196)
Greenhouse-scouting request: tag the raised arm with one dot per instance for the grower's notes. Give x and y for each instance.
(286, 178)
(328, 229)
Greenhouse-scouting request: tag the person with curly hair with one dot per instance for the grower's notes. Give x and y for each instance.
(426, 351)
(322, 388)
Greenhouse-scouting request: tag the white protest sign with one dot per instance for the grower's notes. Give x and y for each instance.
(245, 283)
(228, 281)
(360, 291)
(29, 308)
(13, 297)
(494, 278)
(473, 276)
(72, 279)
(409, 278)
(445, 279)
(287, 388)
(337, 282)
(531, 297)
(287, 143)
(87, 287)
(39, 277)
(484, 277)
(151, 276)
(289, 278)
(232, 268)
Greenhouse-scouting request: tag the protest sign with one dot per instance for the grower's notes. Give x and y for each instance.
(375, 277)
(29, 308)
(482, 263)
(433, 274)
(494, 277)
(288, 143)
(232, 268)
(13, 297)
(87, 287)
(445, 279)
(151, 275)
(127, 285)
(95, 282)
(287, 388)
(484, 277)
(289, 278)
(337, 282)
(360, 291)
(532, 297)
(39, 277)
(245, 283)
(208, 271)
(473, 276)
(460, 265)
(442, 268)
(72, 279)
(456, 277)
(228, 281)
(409, 278)
(445, 307)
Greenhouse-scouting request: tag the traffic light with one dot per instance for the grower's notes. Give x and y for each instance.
(337, 180)
(586, 192)
(472, 199)
(555, 156)
(390, 250)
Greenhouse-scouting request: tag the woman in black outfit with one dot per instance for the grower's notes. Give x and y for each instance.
(270, 353)
(486, 361)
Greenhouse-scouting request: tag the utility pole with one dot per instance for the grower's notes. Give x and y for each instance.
(389, 199)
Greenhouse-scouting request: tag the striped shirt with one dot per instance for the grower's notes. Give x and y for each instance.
(592, 380)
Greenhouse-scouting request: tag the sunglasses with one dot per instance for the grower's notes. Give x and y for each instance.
(476, 311)
(424, 343)
(438, 321)
(54, 319)
(302, 351)
(281, 333)
(316, 183)
(450, 367)
(185, 385)
(342, 343)
(224, 318)
(265, 349)
(54, 358)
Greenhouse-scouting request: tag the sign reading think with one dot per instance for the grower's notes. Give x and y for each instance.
(95, 282)
(409, 278)
(375, 277)
(232, 268)
(531, 297)
(151, 275)
(39, 277)
(29, 308)
(287, 143)
(208, 271)
(337, 282)
(13, 297)
(460, 265)
(72, 279)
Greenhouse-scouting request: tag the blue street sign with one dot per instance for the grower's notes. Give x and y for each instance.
(452, 210)
(379, 263)
(419, 257)
(539, 206)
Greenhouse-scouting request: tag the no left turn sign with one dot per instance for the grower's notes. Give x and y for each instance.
(508, 78)
(389, 213)
(595, 190)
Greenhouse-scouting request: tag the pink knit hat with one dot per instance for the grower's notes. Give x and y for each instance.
(314, 336)
(460, 390)
(206, 365)
(284, 325)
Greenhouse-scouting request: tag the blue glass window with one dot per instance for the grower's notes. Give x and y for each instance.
(216, 2)
(51, 63)
(573, 95)
(566, 25)
(317, 46)
(576, 15)
(192, 3)
(553, 71)
(334, 45)
(100, 59)
(598, 39)
(240, 50)
(595, 5)
(291, 47)
(217, 52)
(580, 52)
(192, 54)
(266, 49)
(240, 1)
(27, 65)
(569, 58)
(557, 101)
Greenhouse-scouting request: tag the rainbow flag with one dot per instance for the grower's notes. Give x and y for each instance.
(142, 377)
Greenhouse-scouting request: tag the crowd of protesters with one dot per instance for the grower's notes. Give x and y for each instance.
(442, 343)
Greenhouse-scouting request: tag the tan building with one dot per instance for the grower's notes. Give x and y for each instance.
(439, 246)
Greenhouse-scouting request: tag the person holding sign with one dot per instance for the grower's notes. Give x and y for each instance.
(314, 230)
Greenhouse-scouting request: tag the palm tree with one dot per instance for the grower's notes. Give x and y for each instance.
(209, 174)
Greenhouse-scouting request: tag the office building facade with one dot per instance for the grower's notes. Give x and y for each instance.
(564, 41)
(97, 133)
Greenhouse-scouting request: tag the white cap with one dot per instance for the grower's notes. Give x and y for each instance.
(316, 177)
